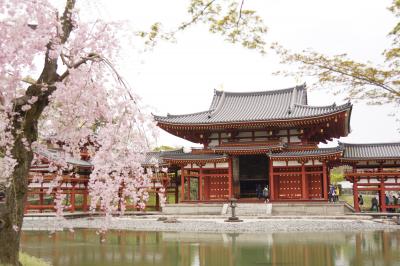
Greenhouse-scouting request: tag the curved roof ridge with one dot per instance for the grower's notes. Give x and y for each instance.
(184, 115)
(370, 144)
(292, 101)
(334, 105)
(219, 106)
(263, 92)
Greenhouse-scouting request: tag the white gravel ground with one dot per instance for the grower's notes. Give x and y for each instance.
(211, 225)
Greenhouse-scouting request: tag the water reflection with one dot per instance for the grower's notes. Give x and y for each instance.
(171, 248)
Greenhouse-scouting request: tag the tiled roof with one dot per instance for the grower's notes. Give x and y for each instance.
(371, 150)
(195, 157)
(55, 155)
(156, 157)
(228, 107)
(346, 150)
(305, 153)
(163, 157)
(247, 149)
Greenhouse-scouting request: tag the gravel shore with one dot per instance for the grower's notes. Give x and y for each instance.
(216, 225)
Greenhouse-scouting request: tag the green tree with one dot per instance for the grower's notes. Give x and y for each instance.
(164, 148)
(337, 174)
(375, 84)
(228, 18)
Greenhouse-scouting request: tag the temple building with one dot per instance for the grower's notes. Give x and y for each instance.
(255, 139)
(250, 140)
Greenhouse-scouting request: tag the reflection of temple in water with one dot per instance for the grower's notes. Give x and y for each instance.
(171, 248)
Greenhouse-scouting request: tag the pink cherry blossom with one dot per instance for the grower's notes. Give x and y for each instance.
(89, 103)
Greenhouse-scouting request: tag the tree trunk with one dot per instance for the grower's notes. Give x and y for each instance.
(12, 210)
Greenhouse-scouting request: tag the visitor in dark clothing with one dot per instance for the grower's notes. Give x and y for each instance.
(374, 204)
(258, 191)
(360, 200)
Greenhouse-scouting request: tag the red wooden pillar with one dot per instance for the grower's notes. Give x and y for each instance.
(230, 177)
(188, 190)
(200, 183)
(325, 180)
(271, 180)
(182, 183)
(382, 200)
(157, 201)
(41, 196)
(176, 187)
(120, 200)
(304, 185)
(72, 197)
(355, 194)
(85, 197)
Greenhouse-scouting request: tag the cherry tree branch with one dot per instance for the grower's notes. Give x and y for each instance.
(90, 57)
(66, 20)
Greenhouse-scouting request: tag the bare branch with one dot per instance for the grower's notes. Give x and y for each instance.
(195, 18)
(362, 80)
(359, 77)
(240, 14)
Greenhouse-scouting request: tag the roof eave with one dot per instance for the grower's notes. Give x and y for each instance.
(335, 155)
(239, 123)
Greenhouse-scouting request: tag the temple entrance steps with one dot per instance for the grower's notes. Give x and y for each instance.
(249, 209)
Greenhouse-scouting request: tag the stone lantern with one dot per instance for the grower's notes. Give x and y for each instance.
(233, 205)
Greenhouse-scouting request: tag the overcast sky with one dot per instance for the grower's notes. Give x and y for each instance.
(180, 77)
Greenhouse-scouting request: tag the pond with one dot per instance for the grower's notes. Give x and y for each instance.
(84, 248)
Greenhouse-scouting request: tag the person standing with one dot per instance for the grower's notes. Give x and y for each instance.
(266, 194)
(374, 204)
(337, 192)
(331, 193)
(360, 201)
(388, 202)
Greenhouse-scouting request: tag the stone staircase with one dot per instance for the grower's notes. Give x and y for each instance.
(249, 209)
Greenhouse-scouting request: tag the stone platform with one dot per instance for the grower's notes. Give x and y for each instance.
(260, 209)
(311, 208)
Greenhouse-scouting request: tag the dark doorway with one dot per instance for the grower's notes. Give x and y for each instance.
(253, 173)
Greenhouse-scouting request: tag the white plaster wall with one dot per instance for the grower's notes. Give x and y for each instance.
(279, 163)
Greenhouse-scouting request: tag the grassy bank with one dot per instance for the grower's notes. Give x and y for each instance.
(28, 260)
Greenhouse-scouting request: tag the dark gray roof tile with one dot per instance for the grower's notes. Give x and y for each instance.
(228, 107)
(55, 155)
(371, 150)
(305, 153)
(156, 157)
(195, 157)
